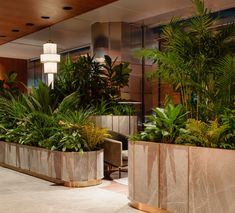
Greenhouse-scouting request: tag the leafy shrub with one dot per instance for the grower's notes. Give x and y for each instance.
(164, 124)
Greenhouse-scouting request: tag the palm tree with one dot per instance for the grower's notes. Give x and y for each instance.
(197, 61)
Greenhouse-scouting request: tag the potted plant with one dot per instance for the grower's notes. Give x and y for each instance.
(59, 144)
(176, 174)
(99, 86)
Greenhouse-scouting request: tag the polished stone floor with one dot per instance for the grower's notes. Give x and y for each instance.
(20, 193)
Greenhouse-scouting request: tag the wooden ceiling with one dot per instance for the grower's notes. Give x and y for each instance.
(21, 17)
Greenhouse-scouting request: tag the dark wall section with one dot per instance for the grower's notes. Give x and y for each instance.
(19, 66)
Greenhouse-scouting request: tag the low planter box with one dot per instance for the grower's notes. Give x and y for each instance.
(69, 168)
(124, 124)
(181, 179)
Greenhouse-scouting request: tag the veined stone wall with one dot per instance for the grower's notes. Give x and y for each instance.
(181, 179)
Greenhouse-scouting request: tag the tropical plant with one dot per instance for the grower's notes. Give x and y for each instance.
(82, 76)
(123, 109)
(93, 136)
(114, 108)
(32, 119)
(115, 76)
(197, 62)
(203, 134)
(91, 80)
(228, 121)
(10, 84)
(164, 124)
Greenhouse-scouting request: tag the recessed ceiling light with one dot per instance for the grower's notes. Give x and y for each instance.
(29, 24)
(2, 36)
(67, 8)
(45, 17)
(15, 30)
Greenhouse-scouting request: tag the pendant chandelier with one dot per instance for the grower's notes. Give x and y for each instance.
(50, 58)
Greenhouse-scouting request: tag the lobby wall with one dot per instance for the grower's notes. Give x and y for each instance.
(19, 66)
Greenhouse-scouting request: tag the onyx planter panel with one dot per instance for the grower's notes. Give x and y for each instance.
(69, 168)
(181, 179)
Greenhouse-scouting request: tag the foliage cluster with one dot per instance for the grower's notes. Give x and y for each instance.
(35, 120)
(170, 125)
(198, 62)
(93, 81)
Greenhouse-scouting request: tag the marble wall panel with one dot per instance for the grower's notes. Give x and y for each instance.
(124, 125)
(10, 154)
(107, 122)
(92, 165)
(45, 162)
(34, 159)
(2, 152)
(145, 173)
(97, 120)
(131, 185)
(56, 164)
(116, 124)
(174, 178)
(100, 164)
(133, 125)
(22, 157)
(78, 167)
(83, 166)
(211, 180)
(67, 166)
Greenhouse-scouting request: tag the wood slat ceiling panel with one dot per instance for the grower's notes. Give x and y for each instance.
(14, 14)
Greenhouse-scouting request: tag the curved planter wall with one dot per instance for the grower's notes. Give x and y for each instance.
(124, 124)
(69, 168)
(181, 179)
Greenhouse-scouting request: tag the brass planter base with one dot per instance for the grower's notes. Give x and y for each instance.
(146, 208)
(83, 183)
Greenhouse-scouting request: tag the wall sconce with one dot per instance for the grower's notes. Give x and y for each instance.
(50, 58)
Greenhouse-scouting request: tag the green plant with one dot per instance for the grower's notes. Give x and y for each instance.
(197, 61)
(115, 76)
(82, 76)
(228, 121)
(165, 124)
(113, 108)
(31, 119)
(93, 81)
(80, 116)
(202, 134)
(123, 109)
(10, 84)
(93, 136)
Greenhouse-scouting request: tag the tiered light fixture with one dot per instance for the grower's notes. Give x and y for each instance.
(50, 58)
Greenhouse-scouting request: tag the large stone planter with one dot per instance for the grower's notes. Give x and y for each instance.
(69, 168)
(124, 124)
(181, 179)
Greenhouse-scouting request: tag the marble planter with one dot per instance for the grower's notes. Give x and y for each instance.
(69, 168)
(124, 124)
(181, 179)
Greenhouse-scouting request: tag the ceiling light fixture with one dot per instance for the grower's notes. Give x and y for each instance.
(50, 58)
(45, 17)
(29, 24)
(15, 30)
(67, 8)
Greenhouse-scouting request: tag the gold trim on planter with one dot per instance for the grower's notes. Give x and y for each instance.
(83, 183)
(146, 208)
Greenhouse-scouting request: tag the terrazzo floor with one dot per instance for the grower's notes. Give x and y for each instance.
(20, 193)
